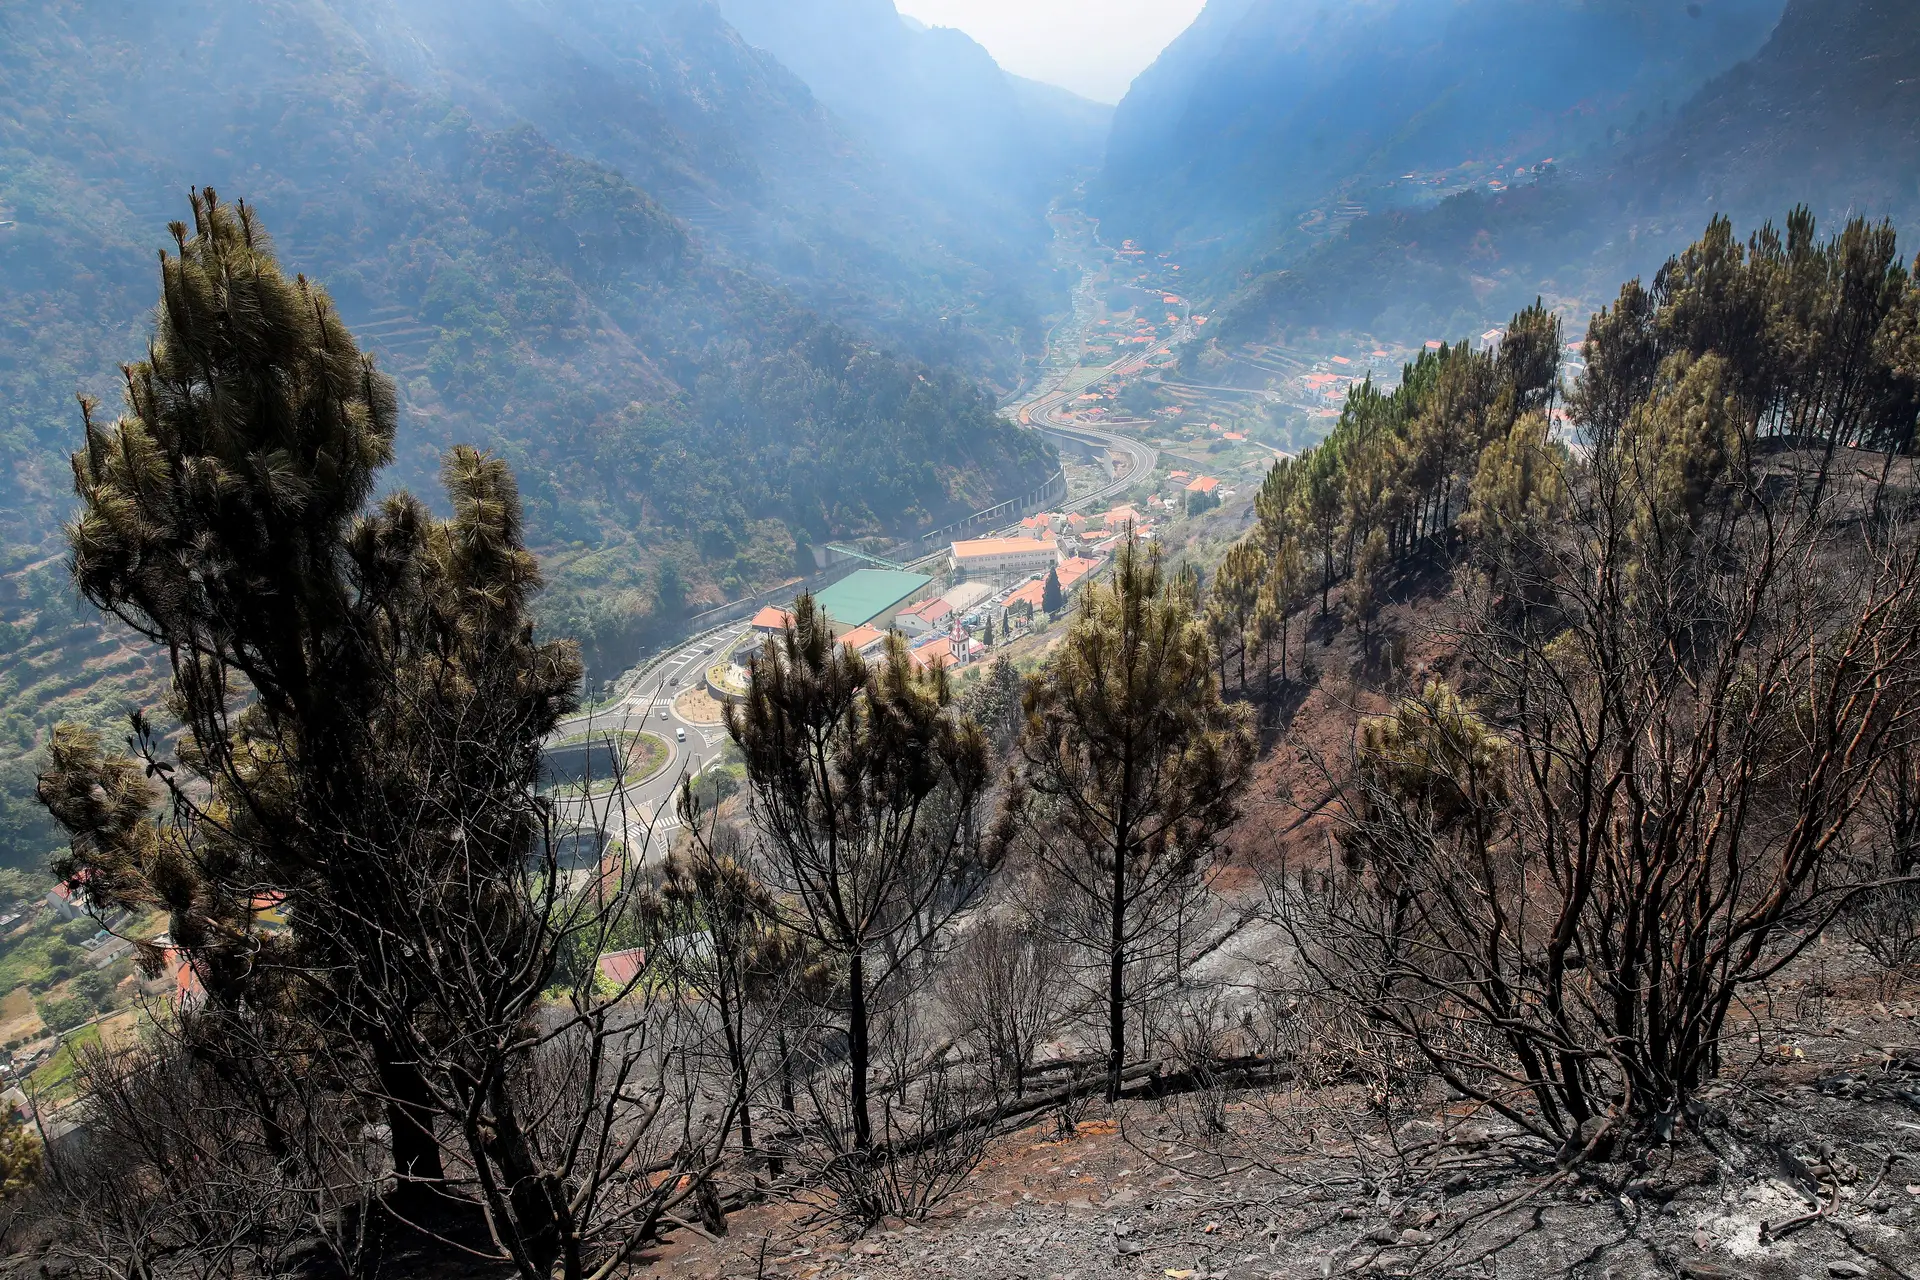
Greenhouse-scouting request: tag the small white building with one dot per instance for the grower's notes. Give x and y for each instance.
(64, 902)
(924, 618)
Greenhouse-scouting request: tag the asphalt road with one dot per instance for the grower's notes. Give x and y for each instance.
(1048, 412)
(647, 702)
(648, 706)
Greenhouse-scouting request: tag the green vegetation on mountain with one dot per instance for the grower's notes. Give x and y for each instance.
(682, 427)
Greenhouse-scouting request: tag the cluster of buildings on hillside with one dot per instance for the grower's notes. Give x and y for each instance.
(1045, 541)
(999, 587)
(868, 605)
(28, 1043)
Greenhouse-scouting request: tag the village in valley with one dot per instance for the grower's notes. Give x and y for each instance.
(1163, 438)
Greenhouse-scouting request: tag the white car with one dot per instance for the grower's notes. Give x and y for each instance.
(663, 713)
(680, 735)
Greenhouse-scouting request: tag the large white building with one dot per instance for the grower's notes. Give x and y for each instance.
(1003, 557)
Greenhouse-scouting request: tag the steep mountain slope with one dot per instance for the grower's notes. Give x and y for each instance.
(537, 302)
(933, 101)
(731, 141)
(681, 428)
(1267, 109)
(1827, 114)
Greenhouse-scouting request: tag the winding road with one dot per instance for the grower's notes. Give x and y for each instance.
(1046, 412)
(647, 692)
(647, 704)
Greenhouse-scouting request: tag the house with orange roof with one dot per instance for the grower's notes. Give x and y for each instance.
(1234, 435)
(1072, 570)
(66, 902)
(1029, 594)
(1178, 475)
(1203, 484)
(1120, 517)
(771, 621)
(924, 618)
(864, 640)
(185, 988)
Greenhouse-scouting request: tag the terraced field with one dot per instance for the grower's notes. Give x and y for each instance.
(58, 662)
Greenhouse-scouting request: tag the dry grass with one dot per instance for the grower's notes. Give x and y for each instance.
(697, 706)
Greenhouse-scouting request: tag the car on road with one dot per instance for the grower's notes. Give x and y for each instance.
(680, 735)
(663, 713)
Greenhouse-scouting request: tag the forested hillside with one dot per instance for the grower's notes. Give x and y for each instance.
(681, 426)
(1824, 115)
(1267, 115)
(729, 139)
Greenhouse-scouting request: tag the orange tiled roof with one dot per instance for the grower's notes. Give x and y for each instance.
(938, 653)
(861, 637)
(188, 990)
(1032, 593)
(771, 619)
(1071, 570)
(1203, 484)
(999, 546)
(932, 610)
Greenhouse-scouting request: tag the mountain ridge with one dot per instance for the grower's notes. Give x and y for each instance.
(1266, 109)
(1798, 123)
(528, 298)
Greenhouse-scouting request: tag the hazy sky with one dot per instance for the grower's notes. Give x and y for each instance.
(1093, 47)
